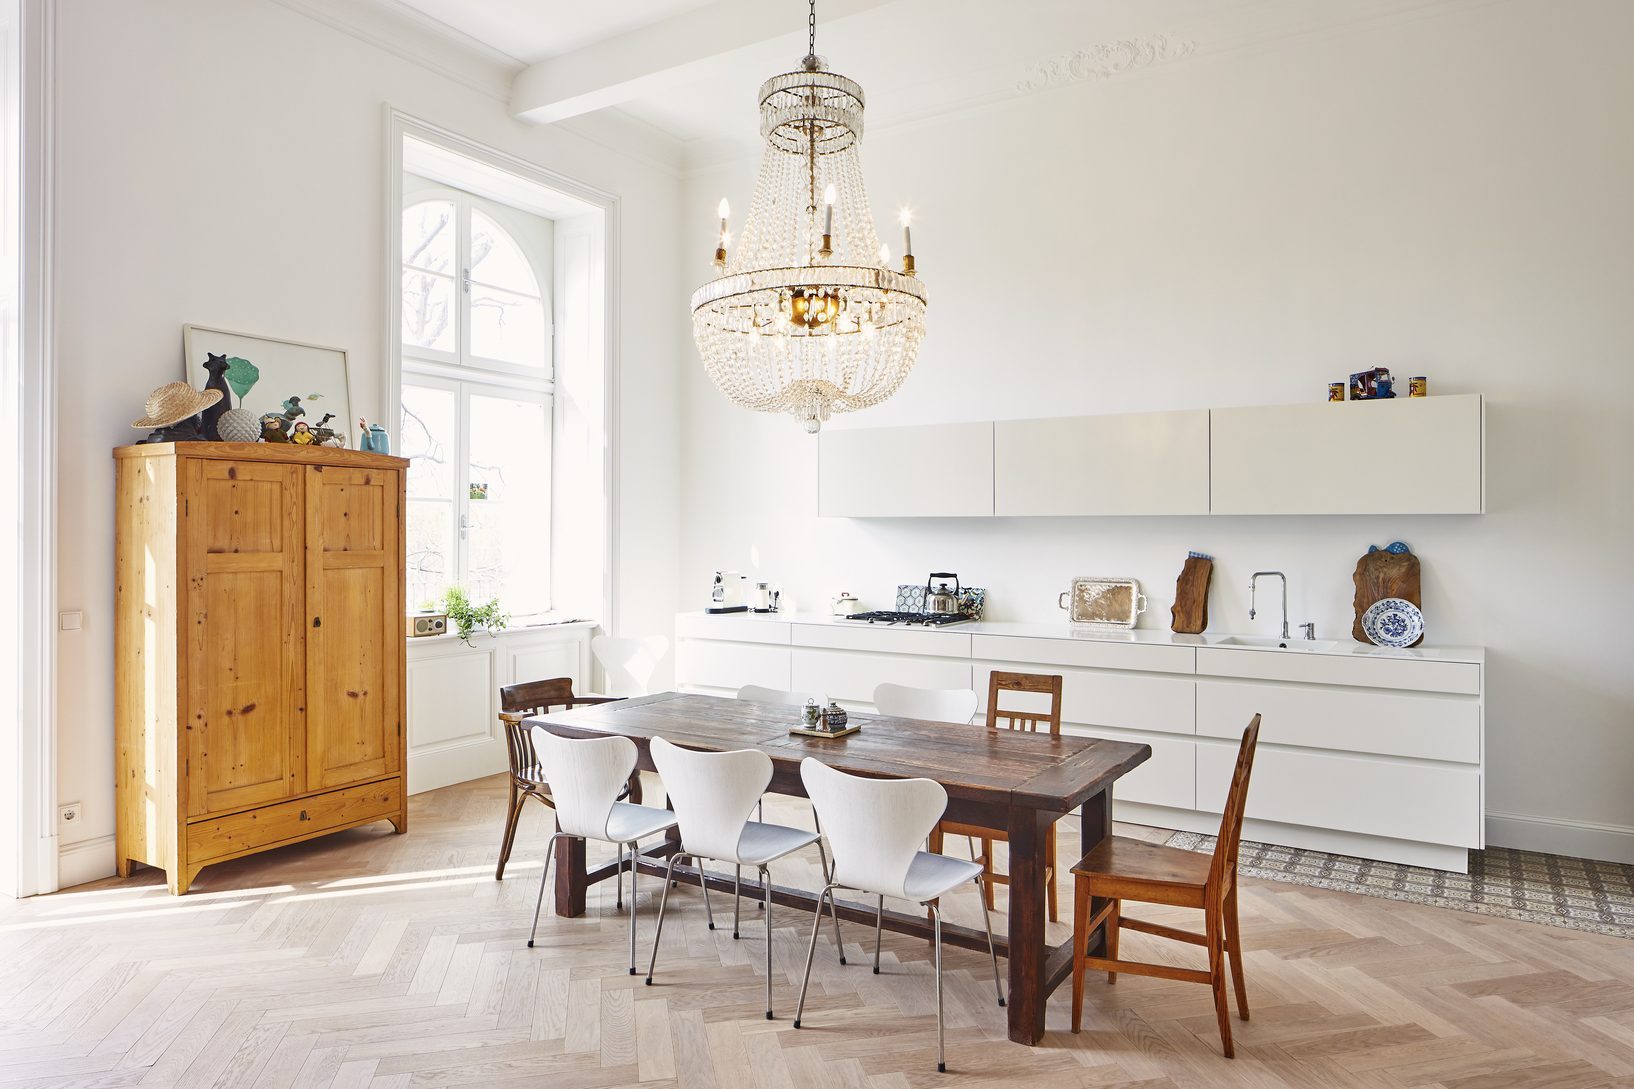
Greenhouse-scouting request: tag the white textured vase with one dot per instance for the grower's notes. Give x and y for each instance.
(237, 425)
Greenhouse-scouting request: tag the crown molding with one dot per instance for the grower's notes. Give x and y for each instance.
(415, 37)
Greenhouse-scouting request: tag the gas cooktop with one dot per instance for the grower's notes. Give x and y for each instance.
(928, 620)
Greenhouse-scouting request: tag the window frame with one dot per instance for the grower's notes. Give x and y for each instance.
(465, 374)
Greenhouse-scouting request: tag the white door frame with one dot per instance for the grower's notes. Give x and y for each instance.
(29, 736)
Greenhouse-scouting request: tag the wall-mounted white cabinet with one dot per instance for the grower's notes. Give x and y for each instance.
(1134, 463)
(936, 471)
(1404, 456)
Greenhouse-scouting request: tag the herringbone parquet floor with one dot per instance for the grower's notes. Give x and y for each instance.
(370, 960)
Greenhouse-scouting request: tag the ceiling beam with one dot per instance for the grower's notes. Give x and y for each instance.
(645, 62)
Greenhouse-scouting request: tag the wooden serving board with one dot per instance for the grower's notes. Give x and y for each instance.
(1384, 574)
(1190, 609)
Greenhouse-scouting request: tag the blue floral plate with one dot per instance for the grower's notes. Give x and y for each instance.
(1393, 622)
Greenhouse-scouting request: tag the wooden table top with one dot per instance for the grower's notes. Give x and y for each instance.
(1031, 771)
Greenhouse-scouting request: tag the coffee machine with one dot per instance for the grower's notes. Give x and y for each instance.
(727, 594)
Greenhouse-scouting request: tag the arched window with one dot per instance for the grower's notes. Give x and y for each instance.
(476, 400)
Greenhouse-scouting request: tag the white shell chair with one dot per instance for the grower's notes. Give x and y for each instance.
(874, 828)
(585, 777)
(713, 794)
(628, 662)
(778, 695)
(956, 705)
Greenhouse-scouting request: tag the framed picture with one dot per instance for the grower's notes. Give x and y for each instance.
(293, 388)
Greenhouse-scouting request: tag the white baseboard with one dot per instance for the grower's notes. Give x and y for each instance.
(1576, 839)
(429, 769)
(86, 860)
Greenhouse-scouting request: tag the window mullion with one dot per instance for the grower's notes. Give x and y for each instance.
(462, 484)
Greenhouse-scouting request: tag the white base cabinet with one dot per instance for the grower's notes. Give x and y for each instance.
(453, 696)
(1368, 754)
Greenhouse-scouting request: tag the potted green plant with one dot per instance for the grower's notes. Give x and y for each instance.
(467, 618)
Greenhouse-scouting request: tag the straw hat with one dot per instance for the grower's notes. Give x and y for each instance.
(174, 402)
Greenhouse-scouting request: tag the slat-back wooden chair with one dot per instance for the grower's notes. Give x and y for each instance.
(1121, 869)
(516, 703)
(1029, 722)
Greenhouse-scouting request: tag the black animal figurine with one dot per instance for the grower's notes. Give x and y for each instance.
(216, 365)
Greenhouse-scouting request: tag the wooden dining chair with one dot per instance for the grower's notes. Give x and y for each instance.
(516, 703)
(1120, 869)
(1027, 721)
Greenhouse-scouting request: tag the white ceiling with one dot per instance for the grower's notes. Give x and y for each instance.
(913, 57)
(536, 30)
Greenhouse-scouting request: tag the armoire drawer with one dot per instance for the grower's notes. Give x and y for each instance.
(286, 822)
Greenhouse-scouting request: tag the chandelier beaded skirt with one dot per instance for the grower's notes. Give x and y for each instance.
(806, 318)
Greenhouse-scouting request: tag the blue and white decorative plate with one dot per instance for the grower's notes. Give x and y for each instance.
(1393, 622)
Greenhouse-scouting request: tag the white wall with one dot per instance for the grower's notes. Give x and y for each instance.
(1443, 195)
(221, 162)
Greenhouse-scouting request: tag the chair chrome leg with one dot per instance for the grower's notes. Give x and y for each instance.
(703, 883)
(550, 852)
(737, 893)
(811, 950)
(828, 875)
(663, 903)
(941, 1054)
(618, 879)
(987, 922)
(766, 883)
(879, 925)
(632, 910)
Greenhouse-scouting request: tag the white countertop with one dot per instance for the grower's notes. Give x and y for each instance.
(1344, 647)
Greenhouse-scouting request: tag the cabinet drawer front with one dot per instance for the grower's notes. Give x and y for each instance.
(1417, 802)
(703, 664)
(732, 628)
(1124, 701)
(1387, 723)
(853, 677)
(1168, 778)
(1457, 678)
(287, 822)
(1087, 653)
(860, 635)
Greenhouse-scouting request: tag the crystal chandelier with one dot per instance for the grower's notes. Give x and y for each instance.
(806, 316)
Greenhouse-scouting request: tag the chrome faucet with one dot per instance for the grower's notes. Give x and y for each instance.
(1252, 585)
(1308, 631)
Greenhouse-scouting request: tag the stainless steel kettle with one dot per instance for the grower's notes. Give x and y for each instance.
(942, 601)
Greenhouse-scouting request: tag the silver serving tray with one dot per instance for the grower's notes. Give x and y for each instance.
(1103, 602)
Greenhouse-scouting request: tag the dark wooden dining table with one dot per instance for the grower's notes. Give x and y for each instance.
(1020, 783)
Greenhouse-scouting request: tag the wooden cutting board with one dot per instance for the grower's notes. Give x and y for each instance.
(1380, 575)
(1190, 609)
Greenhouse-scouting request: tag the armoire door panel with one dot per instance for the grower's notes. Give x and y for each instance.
(245, 666)
(354, 637)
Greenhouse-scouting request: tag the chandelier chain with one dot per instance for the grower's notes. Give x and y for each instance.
(811, 30)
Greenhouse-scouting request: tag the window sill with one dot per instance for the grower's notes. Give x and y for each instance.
(533, 626)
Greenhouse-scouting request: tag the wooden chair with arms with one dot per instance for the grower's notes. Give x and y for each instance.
(1028, 721)
(517, 702)
(1121, 869)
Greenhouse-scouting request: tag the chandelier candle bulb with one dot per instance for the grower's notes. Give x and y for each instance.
(725, 211)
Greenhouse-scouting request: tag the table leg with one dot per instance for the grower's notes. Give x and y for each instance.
(1095, 825)
(1029, 989)
(570, 877)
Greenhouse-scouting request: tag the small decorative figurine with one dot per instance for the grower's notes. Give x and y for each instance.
(1336, 391)
(1373, 385)
(302, 435)
(293, 409)
(216, 366)
(1418, 386)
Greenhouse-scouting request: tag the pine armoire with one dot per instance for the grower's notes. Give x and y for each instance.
(259, 644)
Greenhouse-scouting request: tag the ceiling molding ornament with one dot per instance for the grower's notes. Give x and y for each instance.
(1104, 61)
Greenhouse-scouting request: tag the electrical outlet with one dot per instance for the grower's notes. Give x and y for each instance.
(68, 814)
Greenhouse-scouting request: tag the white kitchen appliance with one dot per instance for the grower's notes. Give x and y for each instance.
(728, 593)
